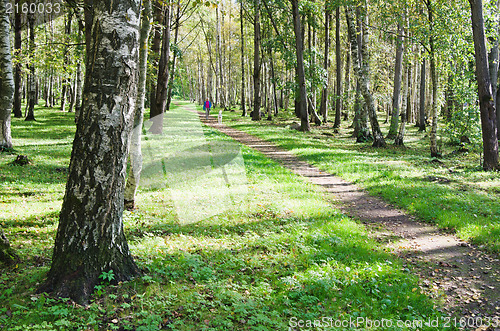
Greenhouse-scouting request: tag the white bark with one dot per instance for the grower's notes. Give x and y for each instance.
(6, 79)
(135, 153)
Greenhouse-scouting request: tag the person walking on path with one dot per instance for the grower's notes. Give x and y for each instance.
(206, 106)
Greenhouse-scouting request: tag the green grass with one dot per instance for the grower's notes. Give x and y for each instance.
(455, 194)
(282, 252)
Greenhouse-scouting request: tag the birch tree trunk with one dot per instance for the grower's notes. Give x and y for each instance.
(31, 84)
(256, 116)
(90, 238)
(301, 98)
(362, 71)
(242, 40)
(399, 141)
(338, 62)
(398, 67)
(421, 112)
(17, 76)
(6, 79)
(160, 99)
(324, 92)
(78, 90)
(486, 103)
(135, 153)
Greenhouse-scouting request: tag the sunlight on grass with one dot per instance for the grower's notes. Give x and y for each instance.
(280, 252)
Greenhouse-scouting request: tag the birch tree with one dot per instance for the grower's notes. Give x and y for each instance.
(90, 238)
(6, 79)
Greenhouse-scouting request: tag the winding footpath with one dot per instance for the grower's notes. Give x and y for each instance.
(462, 278)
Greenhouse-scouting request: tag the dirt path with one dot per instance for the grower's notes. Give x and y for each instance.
(465, 279)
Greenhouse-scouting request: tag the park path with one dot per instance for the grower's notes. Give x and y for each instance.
(463, 278)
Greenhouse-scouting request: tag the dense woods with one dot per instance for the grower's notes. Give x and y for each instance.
(374, 68)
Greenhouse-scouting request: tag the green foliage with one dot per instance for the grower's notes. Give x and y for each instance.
(283, 252)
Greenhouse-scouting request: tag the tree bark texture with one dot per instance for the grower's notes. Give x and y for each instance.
(362, 71)
(6, 79)
(90, 238)
(486, 102)
(160, 99)
(17, 75)
(421, 112)
(338, 62)
(326, 61)
(256, 116)
(406, 105)
(242, 45)
(398, 67)
(135, 153)
(31, 78)
(301, 97)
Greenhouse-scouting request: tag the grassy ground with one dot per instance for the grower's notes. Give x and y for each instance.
(279, 255)
(453, 192)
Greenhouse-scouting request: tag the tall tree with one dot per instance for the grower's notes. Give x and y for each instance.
(338, 62)
(323, 110)
(486, 101)
(135, 153)
(301, 94)
(398, 67)
(256, 116)
(31, 77)
(17, 75)
(160, 99)
(90, 238)
(6, 79)
(421, 111)
(242, 44)
(363, 74)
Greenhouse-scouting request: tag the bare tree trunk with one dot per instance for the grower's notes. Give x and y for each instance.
(406, 109)
(78, 90)
(160, 99)
(338, 62)
(324, 92)
(421, 114)
(174, 58)
(6, 79)
(31, 78)
(90, 238)
(17, 76)
(243, 107)
(301, 98)
(256, 64)
(135, 153)
(397, 83)
(362, 71)
(486, 104)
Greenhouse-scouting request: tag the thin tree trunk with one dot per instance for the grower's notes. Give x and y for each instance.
(32, 79)
(243, 107)
(301, 97)
(338, 62)
(174, 58)
(399, 141)
(421, 114)
(256, 64)
(397, 83)
(362, 71)
(160, 99)
(17, 76)
(326, 61)
(135, 153)
(78, 92)
(6, 80)
(90, 238)
(486, 104)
